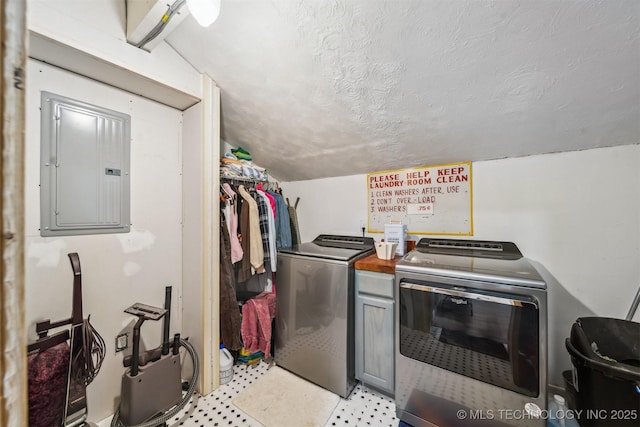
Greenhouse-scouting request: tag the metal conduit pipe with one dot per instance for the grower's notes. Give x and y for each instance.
(155, 31)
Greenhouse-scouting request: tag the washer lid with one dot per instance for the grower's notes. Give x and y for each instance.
(511, 269)
(341, 248)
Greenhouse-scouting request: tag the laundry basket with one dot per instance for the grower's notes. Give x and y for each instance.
(605, 354)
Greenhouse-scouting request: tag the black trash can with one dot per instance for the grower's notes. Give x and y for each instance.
(605, 354)
(569, 389)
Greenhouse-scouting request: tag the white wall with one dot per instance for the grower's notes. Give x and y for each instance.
(576, 215)
(98, 27)
(117, 269)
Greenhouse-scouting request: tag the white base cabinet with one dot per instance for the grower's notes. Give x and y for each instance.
(374, 334)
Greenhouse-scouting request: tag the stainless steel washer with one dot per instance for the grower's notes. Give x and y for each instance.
(314, 335)
(471, 335)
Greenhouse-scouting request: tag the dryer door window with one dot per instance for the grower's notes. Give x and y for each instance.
(489, 336)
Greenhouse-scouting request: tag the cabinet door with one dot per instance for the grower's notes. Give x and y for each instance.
(374, 342)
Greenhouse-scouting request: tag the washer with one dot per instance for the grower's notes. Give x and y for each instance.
(314, 335)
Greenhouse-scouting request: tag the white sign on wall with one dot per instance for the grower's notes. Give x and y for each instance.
(429, 199)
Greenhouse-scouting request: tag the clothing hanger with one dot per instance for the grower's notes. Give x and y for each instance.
(224, 196)
(229, 193)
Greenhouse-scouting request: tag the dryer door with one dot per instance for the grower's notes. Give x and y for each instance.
(489, 336)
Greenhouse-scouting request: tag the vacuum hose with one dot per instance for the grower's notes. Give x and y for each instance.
(153, 422)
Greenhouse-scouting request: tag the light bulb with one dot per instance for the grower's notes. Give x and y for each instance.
(205, 12)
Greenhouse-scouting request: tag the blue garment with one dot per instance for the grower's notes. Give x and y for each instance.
(283, 223)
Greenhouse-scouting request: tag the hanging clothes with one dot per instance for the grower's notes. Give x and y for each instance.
(263, 220)
(243, 268)
(283, 225)
(293, 219)
(256, 253)
(231, 216)
(272, 230)
(256, 323)
(272, 201)
(230, 322)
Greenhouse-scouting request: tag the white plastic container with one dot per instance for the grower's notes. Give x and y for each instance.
(386, 250)
(226, 365)
(396, 233)
(559, 414)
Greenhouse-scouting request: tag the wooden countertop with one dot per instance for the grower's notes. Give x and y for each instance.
(377, 265)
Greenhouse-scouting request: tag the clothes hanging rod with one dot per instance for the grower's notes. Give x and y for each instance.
(242, 178)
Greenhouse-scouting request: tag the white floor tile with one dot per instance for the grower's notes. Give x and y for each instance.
(364, 407)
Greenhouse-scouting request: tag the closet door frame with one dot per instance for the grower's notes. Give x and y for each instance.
(201, 219)
(211, 288)
(13, 360)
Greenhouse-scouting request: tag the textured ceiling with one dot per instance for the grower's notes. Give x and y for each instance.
(339, 87)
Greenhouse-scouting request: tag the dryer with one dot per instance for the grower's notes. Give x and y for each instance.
(471, 335)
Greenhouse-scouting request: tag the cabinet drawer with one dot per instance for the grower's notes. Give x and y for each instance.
(380, 284)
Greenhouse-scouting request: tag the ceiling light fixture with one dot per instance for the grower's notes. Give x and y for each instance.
(204, 11)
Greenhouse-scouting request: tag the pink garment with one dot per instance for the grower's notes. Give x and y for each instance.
(256, 323)
(232, 223)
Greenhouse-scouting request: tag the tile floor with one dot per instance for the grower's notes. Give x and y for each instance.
(364, 407)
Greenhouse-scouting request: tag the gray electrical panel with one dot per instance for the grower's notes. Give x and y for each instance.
(84, 170)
